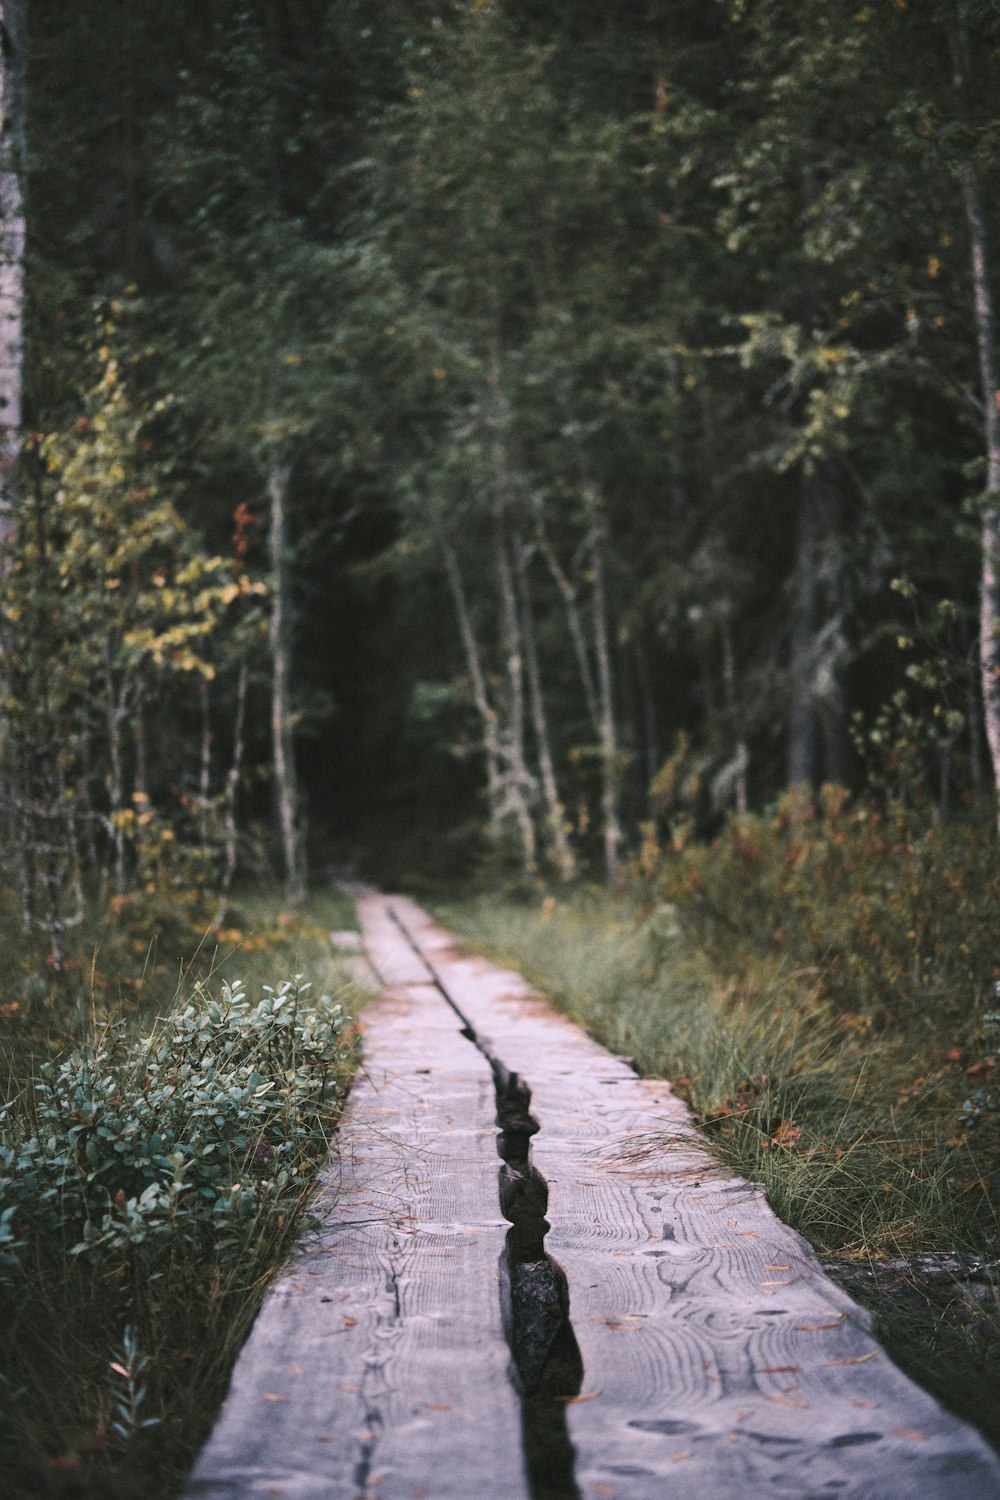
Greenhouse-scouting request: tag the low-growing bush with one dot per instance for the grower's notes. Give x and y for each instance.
(186, 1133)
(860, 1122)
(149, 1186)
(895, 913)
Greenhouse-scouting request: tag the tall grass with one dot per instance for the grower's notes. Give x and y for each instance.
(852, 1127)
(159, 1146)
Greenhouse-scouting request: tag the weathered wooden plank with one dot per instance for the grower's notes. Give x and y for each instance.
(717, 1355)
(378, 1365)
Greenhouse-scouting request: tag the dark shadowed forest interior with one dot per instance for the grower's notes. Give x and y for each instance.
(566, 420)
(548, 448)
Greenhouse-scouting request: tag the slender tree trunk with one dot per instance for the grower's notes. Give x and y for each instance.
(989, 374)
(561, 851)
(12, 153)
(505, 487)
(70, 813)
(802, 718)
(647, 712)
(230, 826)
(742, 755)
(205, 762)
(141, 778)
(608, 738)
(116, 775)
(282, 747)
(574, 620)
(520, 781)
(474, 666)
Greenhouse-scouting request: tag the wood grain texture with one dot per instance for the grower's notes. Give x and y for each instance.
(718, 1357)
(378, 1364)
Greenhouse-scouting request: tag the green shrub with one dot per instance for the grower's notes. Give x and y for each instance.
(184, 1134)
(895, 913)
(149, 1188)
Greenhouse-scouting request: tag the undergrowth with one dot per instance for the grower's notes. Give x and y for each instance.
(816, 985)
(157, 1155)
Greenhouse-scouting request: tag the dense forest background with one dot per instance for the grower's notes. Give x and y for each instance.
(513, 432)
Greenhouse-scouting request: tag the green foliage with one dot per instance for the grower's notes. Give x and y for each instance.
(116, 620)
(893, 914)
(149, 1186)
(188, 1135)
(851, 1127)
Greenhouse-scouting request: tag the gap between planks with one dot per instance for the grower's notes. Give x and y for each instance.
(716, 1353)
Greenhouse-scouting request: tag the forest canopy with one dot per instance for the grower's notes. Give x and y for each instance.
(492, 430)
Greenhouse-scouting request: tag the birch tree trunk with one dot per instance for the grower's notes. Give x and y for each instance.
(574, 621)
(519, 778)
(561, 852)
(12, 155)
(608, 738)
(230, 827)
(505, 487)
(802, 716)
(989, 374)
(282, 748)
(116, 714)
(205, 762)
(473, 662)
(741, 757)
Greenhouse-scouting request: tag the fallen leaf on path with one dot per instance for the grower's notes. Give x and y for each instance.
(777, 1268)
(438, 1406)
(270, 1396)
(908, 1432)
(858, 1359)
(677, 1457)
(293, 1369)
(816, 1327)
(622, 1323)
(583, 1396)
(778, 1370)
(785, 1400)
(349, 1322)
(351, 1390)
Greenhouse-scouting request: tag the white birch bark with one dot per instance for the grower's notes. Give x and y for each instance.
(574, 623)
(205, 762)
(989, 373)
(520, 787)
(282, 748)
(741, 757)
(608, 738)
(12, 153)
(230, 827)
(559, 845)
(480, 696)
(802, 716)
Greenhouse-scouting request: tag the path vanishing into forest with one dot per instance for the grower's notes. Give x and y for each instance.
(599, 1312)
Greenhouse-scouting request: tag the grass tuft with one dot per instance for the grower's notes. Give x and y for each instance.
(852, 1128)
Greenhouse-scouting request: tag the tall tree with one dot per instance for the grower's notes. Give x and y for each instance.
(13, 150)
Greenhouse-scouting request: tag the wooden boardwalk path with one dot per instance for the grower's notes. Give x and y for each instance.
(671, 1338)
